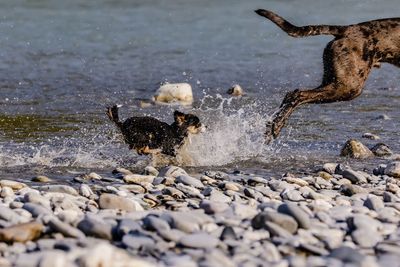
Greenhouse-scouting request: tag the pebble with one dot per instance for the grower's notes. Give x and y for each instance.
(14, 185)
(59, 189)
(212, 207)
(188, 180)
(381, 150)
(21, 232)
(326, 218)
(41, 179)
(355, 177)
(393, 169)
(371, 136)
(374, 203)
(302, 218)
(64, 228)
(199, 240)
(235, 90)
(171, 171)
(284, 221)
(355, 149)
(138, 179)
(111, 201)
(174, 92)
(96, 227)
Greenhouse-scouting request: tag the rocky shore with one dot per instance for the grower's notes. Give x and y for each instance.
(336, 216)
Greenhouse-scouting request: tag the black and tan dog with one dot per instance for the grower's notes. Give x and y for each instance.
(148, 135)
(348, 60)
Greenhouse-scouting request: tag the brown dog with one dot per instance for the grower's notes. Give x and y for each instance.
(348, 59)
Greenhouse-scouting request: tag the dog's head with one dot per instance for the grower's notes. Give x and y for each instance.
(189, 122)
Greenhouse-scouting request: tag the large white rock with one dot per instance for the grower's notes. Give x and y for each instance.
(175, 93)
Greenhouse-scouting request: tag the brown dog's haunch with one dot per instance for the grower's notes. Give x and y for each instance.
(348, 60)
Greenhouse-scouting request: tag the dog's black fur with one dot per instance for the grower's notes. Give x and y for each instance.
(348, 60)
(148, 135)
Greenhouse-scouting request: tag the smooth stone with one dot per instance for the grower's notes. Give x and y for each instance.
(184, 222)
(104, 254)
(374, 203)
(85, 190)
(59, 189)
(212, 207)
(21, 232)
(14, 185)
(154, 223)
(41, 179)
(371, 136)
(199, 240)
(363, 221)
(54, 259)
(283, 220)
(174, 92)
(382, 117)
(35, 198)
(393, 169)
(355, 149)
(127, 225)
(329, 167)
(189, 190)
(350, 189)
(171, 171)
(218, 196)
(188, 180)
(333, 238)
(244, 211)
(7, 192)
(302, 218)
(292, 195)
(366, 239)
(111, 201)
(173, 235)
(381, 150)
(138, 179)
(277, 230)
(354, 176)
(11, 216)
(150, 170)
(36, 209)
(96, 227)
(347, 255)
(138, 241)
(63, 228)
(235, 90)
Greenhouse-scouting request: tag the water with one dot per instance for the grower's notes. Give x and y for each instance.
(62, 63)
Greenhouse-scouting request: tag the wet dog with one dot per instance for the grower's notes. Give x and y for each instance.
(148, 135)
(348, 60)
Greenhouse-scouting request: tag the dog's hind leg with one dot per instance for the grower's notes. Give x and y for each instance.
(345, 72)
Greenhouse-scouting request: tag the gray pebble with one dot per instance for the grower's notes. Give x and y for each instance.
(199, 240)
(374, 203)
(188, 180)
(212, 207)
(96, 227)
(302, 218)
(283, 220)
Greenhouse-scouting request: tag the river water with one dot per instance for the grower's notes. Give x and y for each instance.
(63, 62)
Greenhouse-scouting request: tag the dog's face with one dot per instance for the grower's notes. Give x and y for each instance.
(189, 122)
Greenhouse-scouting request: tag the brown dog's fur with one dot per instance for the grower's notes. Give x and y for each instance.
(348, 60)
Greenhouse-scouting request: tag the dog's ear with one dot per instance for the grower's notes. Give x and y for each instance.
(179, 117)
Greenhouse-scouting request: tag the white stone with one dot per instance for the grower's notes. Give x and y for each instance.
(174, 92)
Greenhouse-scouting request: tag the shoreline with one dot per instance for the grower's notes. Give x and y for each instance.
(168, 217)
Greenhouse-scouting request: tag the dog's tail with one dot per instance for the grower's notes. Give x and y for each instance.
(303, 31)
(112, 113)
